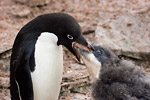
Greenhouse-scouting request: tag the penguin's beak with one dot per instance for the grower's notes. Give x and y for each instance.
(87, 47)
(81, 43)
(78, 42)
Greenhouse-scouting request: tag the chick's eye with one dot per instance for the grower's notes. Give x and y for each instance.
(70, 37)
(99, 52)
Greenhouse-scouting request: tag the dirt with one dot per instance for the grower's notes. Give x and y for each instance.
(13, 15)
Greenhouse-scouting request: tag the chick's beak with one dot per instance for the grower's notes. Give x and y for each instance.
(87, 47)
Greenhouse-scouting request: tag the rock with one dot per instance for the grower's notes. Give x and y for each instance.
(21, 11)
(33, 3)
(127, 33)
(1, 64)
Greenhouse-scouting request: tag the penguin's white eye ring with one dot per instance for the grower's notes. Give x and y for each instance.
(70, 37)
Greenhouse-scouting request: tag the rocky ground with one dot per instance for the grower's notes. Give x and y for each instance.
(16, 13)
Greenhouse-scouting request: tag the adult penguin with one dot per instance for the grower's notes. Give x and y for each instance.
(36, 64)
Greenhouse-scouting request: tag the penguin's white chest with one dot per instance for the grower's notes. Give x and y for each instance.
(49, 67)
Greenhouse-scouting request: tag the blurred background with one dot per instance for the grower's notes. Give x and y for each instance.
(121, 25)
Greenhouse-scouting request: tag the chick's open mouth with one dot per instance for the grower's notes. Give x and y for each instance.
(80, 48)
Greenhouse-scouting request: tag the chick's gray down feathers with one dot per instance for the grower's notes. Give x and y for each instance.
(121, 80)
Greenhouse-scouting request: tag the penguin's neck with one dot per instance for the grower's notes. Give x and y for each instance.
(49, 67)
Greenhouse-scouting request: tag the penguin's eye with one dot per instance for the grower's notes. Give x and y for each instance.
(70, 37)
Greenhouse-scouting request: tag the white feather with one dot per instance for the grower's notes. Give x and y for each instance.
(49, 67)
(93, 65)
(18, 89)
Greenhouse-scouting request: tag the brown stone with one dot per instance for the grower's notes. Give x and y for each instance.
(34, 2)
(127, 33)
(21, 11)
(1, 64)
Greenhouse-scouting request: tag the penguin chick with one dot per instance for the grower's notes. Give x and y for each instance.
(116, 79)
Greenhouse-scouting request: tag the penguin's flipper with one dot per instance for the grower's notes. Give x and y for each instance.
(24, 82)
(21, 67)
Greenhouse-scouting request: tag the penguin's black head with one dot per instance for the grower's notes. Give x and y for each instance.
(69, 32)
(64, 26)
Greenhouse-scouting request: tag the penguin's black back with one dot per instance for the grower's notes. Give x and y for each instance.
(55, 23)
